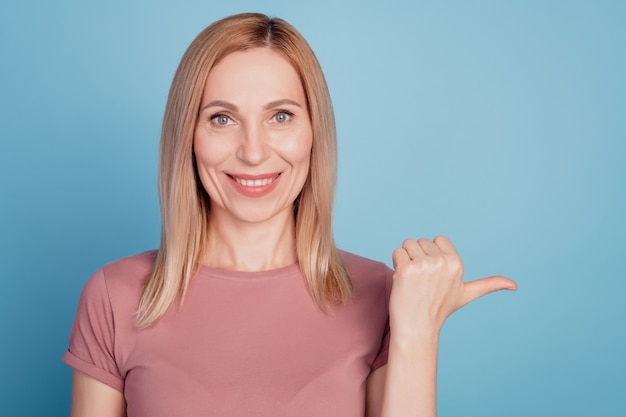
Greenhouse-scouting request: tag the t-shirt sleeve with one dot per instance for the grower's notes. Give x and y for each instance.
(381, 358)
(92, 338)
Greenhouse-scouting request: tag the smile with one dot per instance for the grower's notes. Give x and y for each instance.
(255, 185)
(255, 182)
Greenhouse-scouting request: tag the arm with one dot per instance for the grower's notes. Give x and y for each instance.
(411, 384)
(427, 287)
(92, 398)
(374, 394)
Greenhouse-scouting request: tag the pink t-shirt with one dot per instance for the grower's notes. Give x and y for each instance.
(242, 344)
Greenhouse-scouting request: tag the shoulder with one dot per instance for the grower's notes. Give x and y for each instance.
(371, 284)
(366, 274)
(358, 265)
(129, 269)
(120, 281)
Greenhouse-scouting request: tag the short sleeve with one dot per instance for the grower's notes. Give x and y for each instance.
(381, 358)
(92, 338)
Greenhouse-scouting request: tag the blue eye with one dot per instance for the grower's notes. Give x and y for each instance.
(221, 119)
(282, 116)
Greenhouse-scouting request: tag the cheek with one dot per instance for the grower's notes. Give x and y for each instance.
(300, 151)
(301, 162)
(207, 157)
(208, 152)
(302, 155)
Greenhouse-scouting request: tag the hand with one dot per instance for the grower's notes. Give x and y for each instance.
(428, 285)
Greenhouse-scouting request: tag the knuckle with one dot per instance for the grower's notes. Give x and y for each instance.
(455, 264)
(410, 268)
(456, 261)
(439, 262)
(440, 238)
(399, 274)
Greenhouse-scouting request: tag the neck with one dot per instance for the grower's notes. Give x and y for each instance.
(242, 246)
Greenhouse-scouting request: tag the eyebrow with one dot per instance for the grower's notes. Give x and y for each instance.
(232, 107)
(281, 102)
(220, 103)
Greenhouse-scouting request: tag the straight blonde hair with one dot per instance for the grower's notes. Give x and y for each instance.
(185, 205)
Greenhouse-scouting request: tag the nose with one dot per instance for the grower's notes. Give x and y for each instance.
(253, 149)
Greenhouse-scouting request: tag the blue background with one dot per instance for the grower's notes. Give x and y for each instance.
(498, 124)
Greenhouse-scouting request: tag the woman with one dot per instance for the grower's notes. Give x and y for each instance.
(248, 308)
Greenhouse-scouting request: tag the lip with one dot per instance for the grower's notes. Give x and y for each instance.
(259, 189)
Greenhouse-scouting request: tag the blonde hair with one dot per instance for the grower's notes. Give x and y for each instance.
(185, 205)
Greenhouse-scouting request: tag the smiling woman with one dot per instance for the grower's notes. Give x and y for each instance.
(248, 308)
(186, 207)
(252, 144)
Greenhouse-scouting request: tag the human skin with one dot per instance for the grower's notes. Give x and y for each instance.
(253, 125)
(427, 288)
(253, 143)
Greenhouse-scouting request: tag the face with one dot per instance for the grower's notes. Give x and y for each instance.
(253, 138)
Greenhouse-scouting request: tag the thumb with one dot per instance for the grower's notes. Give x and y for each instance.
(484, 286)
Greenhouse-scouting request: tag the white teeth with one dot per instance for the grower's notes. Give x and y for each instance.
(255, 183)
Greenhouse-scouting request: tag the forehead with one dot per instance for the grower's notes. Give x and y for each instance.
(258, 73)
